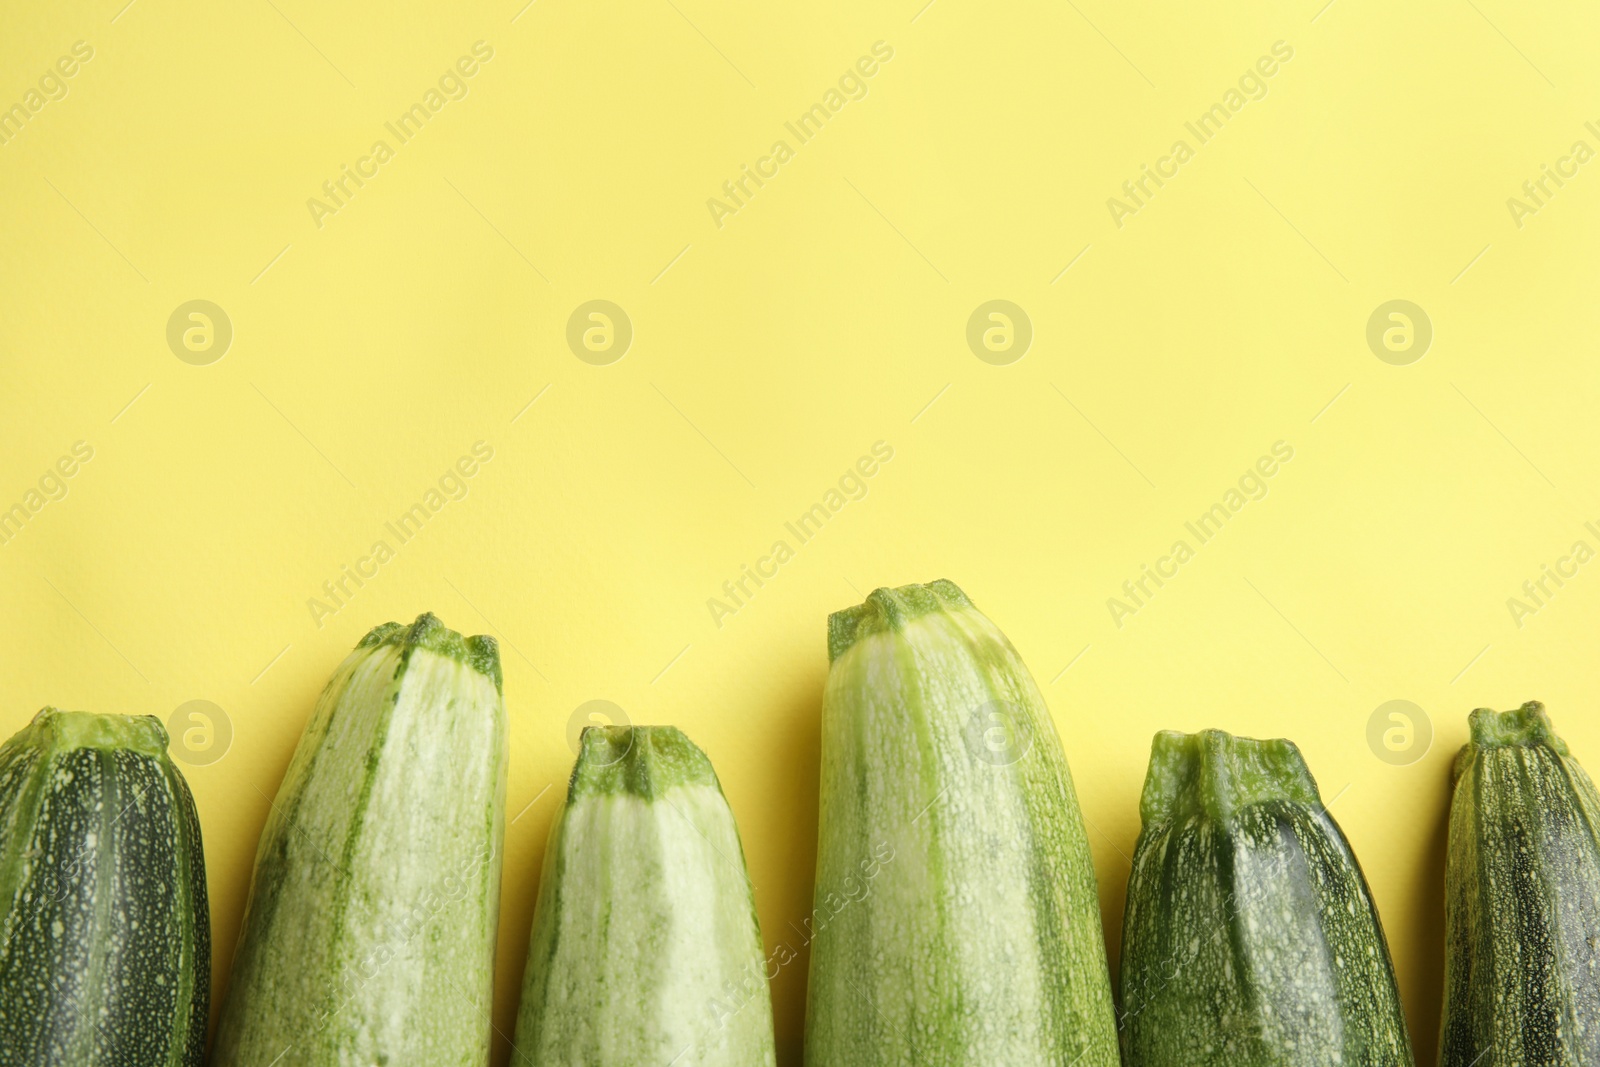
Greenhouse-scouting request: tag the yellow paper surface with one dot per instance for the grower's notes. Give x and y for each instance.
(956, 154)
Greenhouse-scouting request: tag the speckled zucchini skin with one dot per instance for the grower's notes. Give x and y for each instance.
(369, 934)
(1250, 937)
(645, 948)
(106, 953)
(956, 916)
(1522, 968)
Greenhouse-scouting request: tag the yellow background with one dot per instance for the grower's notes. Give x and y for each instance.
(769, 353)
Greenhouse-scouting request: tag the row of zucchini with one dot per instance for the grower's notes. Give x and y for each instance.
(956, 919)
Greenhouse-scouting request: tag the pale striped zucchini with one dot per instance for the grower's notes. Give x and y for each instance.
(645, 947)
(1522, 915)
(1250, 937)
(369, 935)
(106, 953)
(957, 922)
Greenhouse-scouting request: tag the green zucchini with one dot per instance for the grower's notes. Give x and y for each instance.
(1522, 892)
(956, 917)
(1250, 937)
(369, 933)
(645, 947)
(106, 952)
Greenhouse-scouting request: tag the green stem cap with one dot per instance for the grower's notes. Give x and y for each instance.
(480, 653)
(1527, 725)
(891, 609)
(641, 761)
(1213, 774)
(1524, 727)
(63, 731)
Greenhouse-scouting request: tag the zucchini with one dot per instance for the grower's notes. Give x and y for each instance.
(1250, 937)
(645, 947)
(1522, 893)
(956, 917)
(106, 952)
(369, 932)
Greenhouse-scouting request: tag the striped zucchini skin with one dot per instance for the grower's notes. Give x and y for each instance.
(369, 934)
(645, 947)
(106, 953)
(1522, 891)
(956, 915)
(1250, 937)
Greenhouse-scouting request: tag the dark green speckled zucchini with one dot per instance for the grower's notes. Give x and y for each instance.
(1522, 969)
(1250, 938)
(106, 952)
